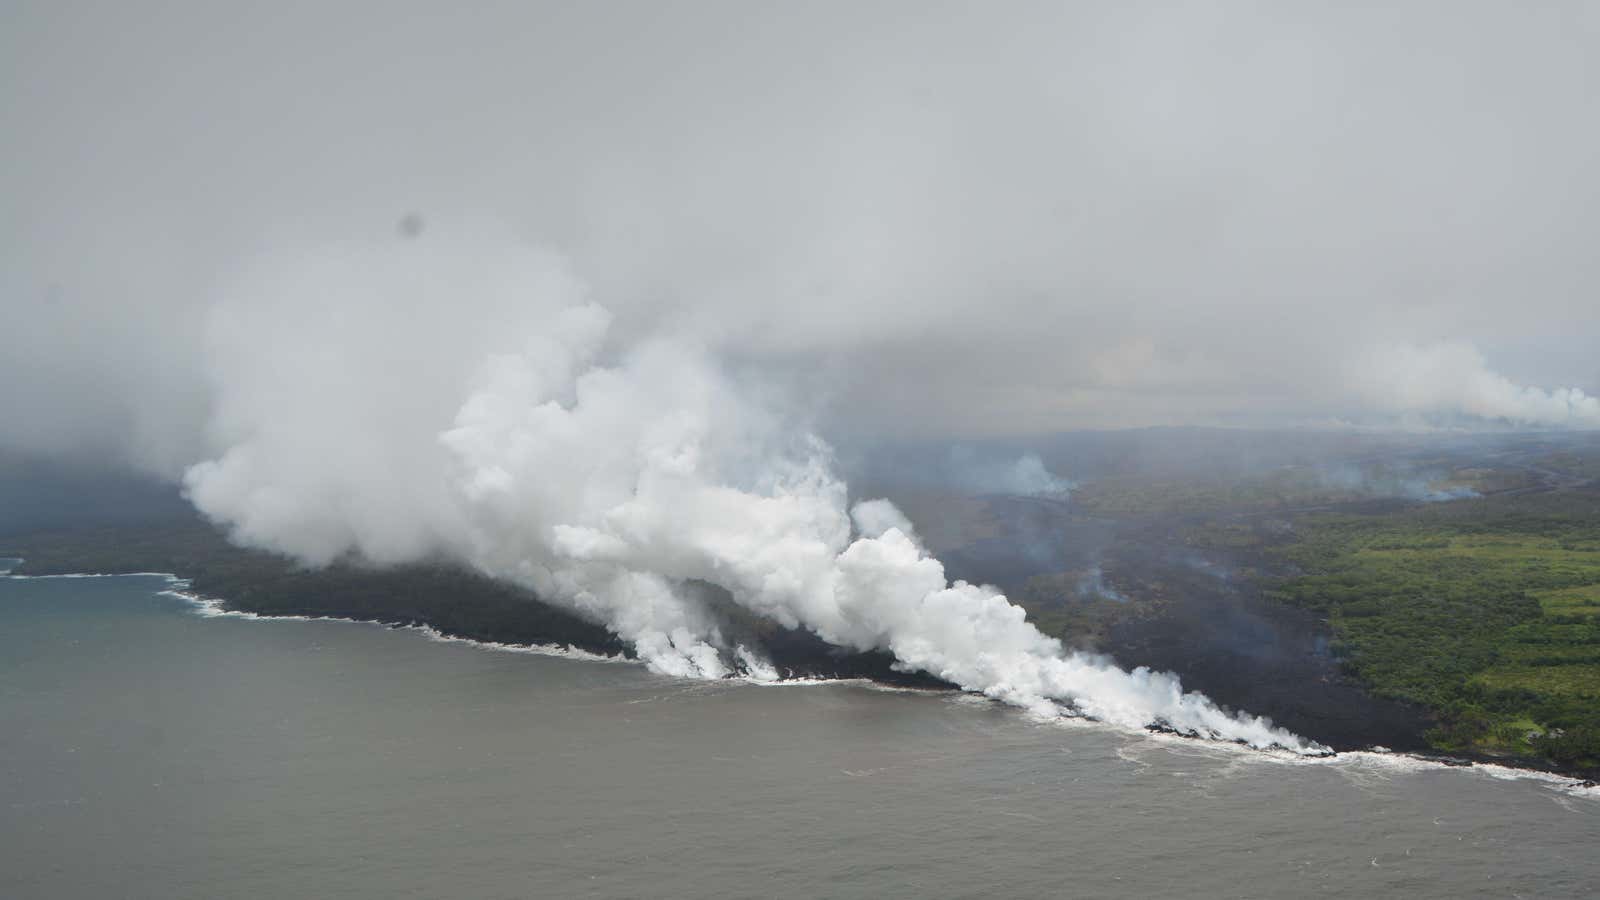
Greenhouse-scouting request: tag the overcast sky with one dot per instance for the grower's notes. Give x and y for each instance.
(936, 219)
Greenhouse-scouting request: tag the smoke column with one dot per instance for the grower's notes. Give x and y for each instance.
(395, 403)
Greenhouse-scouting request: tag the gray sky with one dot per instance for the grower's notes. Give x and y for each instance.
(937, 219)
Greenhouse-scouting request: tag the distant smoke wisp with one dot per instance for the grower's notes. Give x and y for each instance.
(1392, 481)
(1093, 586)
(607, 477)
(1024, 476)
(1452, 381)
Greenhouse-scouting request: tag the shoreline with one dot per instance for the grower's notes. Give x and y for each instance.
(207, 606)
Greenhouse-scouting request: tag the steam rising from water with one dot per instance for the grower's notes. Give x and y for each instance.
(609, 476)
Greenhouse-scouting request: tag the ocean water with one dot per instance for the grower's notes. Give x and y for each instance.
(150, 751)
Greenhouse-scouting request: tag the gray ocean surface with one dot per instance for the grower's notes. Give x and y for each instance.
(148, 751)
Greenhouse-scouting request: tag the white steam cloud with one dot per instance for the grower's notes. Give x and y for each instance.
(495, 422)
(1453, 379)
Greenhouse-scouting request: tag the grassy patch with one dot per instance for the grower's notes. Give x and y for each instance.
(1553, 680)
(1488, 613)
(1582, 602)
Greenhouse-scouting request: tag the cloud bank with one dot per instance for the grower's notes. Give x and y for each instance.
(944, 221)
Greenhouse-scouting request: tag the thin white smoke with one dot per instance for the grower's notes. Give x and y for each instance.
(1452, 378)
(496, 429)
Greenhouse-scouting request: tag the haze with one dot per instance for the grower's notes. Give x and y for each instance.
(906, 218)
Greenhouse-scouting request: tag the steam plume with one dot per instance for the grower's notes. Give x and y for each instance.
(607, 484)
(1454, 379)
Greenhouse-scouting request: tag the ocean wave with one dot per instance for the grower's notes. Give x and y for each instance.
(1361, 766)
(757, 672)
(1354, 763)
(558, 650)
(216, 608)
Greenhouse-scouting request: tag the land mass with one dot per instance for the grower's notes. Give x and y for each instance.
(441, 595)
(1423, 596)
(1442, 598)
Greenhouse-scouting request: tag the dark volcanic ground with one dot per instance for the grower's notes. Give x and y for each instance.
(1224, 639)
(1195, 614)
(1036, 536)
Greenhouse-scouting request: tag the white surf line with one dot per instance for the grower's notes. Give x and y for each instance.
(760, 675)
(1409, 763)
(214, 607)
(1382, 761)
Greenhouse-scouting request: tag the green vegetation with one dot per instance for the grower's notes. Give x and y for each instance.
(1484, 611)
(1487, 612)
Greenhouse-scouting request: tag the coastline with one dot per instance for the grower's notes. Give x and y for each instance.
(212, 606)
